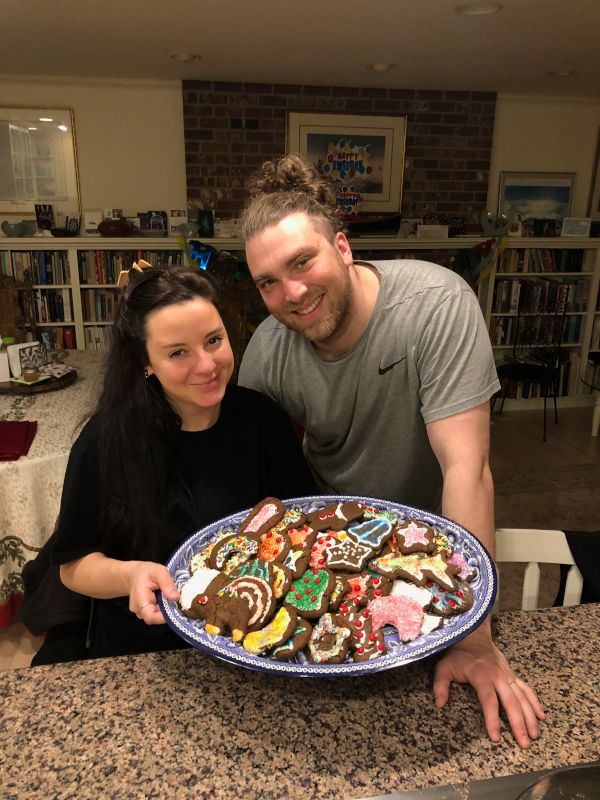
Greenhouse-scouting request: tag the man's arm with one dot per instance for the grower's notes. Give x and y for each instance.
(461, 445)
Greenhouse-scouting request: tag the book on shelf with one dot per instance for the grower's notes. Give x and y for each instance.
(541, 259)
(67, 308)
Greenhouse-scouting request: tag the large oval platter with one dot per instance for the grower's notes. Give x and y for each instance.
(483, 586)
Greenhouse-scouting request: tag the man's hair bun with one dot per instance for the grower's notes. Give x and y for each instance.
(287, 186)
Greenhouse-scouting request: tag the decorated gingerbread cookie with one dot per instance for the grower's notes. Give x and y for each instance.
(365, 642)
(231, 551)
(274, 546)
(257, 594)
(365, 586)
(263, 516)
(404, 613)
(467, 571)
(448, 603)
(298, 557)
(347, 553)
(293, 518)
(414, 537)
(372, 532)
(334, 516)
(339, 590)
(297, 641)
(424, 597)
(201, 560)
(274, 633)
(203, 581)
(222, 613)
(309, 594)
(417, 567)
(372, 512)
(329, 641)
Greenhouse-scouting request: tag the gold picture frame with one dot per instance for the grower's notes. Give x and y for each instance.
(363, 155)
(38, 161)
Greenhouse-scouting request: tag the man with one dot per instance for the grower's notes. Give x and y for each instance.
(388, 367)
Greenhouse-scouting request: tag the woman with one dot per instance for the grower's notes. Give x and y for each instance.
(171, 447)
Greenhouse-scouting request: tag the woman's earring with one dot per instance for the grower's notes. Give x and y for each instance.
(146, 374)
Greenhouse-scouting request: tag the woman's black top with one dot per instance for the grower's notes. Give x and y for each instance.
(250, 453)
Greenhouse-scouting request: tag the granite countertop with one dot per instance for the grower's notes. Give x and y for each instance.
(185, 725)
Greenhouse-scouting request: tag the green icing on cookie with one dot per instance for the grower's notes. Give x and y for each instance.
(306, 592)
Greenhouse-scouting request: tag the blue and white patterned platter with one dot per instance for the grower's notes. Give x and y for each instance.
(483, 586)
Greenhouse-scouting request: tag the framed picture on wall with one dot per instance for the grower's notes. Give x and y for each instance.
(545, 196)
(362, 155)
(594, 199)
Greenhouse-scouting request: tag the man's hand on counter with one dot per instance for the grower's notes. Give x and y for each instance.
(477, 660)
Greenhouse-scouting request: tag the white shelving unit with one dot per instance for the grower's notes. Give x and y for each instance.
(384, 246)
(83, 317)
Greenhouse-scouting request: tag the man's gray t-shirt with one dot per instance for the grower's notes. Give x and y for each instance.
(425, 355)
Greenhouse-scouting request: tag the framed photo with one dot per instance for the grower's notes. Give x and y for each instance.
(38, 162)
(527, 196)
(408, 227)
(594, 200)
(363, 155)
(574, 226)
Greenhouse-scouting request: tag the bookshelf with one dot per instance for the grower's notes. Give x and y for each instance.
(546, 268)
(74, 281)
(81, 272)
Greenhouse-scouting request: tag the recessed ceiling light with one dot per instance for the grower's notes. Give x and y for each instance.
(561, 73)
(46, 119)
(479, 9)
(62, 128)
(31, 128)
(381, 67)
(185, 57)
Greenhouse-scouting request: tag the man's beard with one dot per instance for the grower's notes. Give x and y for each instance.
(332, 324)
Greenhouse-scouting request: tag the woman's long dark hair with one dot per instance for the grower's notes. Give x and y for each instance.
(136, 425)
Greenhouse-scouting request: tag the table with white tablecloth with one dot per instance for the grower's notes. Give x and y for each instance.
(30, 488)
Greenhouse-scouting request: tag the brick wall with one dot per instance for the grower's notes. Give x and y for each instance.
(231, 128)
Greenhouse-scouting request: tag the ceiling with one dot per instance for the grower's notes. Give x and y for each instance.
(318, 42)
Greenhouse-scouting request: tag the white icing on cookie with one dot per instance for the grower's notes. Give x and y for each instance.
(196, 585)
(418, 593)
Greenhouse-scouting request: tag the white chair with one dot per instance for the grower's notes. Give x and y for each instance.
(535, 547)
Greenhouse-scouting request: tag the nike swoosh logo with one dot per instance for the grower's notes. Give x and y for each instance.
(383, 370)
